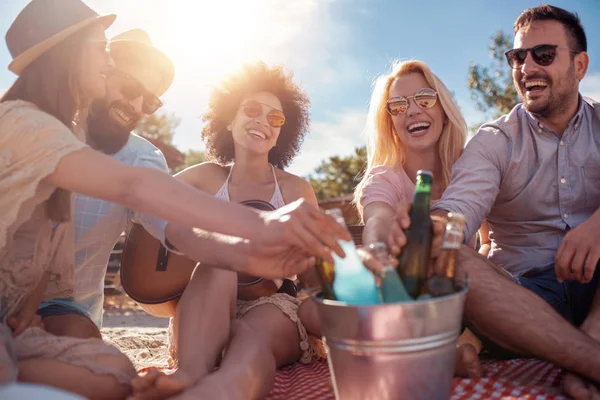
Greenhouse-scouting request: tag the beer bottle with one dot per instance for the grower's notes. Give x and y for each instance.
(442, 282)
(413, 261)
(392, 289)
(326, 274)
(353, 282)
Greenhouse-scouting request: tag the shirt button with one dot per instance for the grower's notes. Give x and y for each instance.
(563, 180)
(566, 215)
(540, 130)
(576, 125)
(562, 143)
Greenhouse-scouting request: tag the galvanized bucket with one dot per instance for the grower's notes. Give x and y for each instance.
(392, 351)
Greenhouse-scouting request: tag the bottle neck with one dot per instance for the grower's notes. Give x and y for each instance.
(422, 201)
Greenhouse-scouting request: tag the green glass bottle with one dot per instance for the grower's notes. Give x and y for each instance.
(413, 262)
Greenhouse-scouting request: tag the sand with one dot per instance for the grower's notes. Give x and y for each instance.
(139, 335)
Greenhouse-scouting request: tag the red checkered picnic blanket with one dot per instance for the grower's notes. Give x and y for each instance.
(525, 379)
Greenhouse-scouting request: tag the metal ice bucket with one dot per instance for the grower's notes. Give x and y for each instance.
(392, 351)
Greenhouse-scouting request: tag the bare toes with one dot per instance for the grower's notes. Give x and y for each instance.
(576, 387)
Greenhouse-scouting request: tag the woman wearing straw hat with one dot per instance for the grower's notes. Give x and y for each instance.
(62, 65)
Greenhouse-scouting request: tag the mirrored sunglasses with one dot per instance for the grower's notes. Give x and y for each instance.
(424, 98)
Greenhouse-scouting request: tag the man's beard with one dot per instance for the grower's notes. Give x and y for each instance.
(103, 132)
(558, 96)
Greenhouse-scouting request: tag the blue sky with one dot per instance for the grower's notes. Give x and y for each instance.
(335, 47)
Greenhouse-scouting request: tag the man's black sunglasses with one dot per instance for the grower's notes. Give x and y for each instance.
(132, 89)
(543, 54)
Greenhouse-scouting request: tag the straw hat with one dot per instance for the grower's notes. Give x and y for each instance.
(133, 53)
(42, 24)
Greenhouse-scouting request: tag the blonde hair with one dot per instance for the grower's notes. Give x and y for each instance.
(384, 147)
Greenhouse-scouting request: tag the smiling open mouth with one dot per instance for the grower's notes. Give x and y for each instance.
(257, 134)
(122, 115)
(535, 86)
(418, 127)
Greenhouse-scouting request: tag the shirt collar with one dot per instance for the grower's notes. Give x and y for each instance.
(575, 122)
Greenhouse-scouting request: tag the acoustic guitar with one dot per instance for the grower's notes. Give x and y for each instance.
(156, 278)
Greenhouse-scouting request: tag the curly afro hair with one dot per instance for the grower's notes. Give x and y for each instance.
(225, 101)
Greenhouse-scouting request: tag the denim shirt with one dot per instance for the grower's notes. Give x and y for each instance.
(98, 225)
(531, 184)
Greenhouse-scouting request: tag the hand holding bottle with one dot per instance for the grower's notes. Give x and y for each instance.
(397, 236)
(390, 285)
(353, 283)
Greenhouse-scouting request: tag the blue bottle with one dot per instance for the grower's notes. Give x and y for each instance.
(392, 289)
(354, 284)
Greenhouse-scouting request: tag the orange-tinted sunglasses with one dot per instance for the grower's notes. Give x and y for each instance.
(254, 109)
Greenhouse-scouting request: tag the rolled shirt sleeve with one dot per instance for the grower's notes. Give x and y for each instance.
(476, 177)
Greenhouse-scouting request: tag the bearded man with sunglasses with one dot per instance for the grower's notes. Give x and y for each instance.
(141, 75)
(534, 175)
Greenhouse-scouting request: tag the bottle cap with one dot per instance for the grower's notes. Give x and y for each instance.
(424, 172)
(380, 251)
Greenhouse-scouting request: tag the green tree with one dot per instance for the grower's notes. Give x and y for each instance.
(192, 157)
(338, 176)
(158, 126)
(491, 86)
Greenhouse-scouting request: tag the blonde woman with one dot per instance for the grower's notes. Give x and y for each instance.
(413, 123)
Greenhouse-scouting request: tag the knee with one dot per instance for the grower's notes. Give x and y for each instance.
(258, 343)
(84, 331)
(206, 279)
(258, 351)
(76, 326)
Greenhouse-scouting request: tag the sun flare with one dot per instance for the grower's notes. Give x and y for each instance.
(212, 37)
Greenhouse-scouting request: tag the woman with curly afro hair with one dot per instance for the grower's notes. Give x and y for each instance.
(254, 127)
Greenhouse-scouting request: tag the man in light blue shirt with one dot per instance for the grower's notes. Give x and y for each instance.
(142, 75)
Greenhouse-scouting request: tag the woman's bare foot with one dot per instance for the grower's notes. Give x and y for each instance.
(215, 386)
(467, 363)
(579, 388)
(155, 385)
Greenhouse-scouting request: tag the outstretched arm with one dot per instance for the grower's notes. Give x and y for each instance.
(154, 192)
